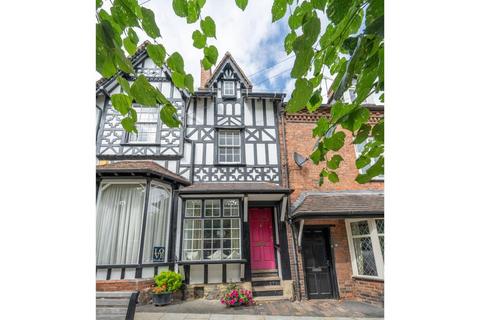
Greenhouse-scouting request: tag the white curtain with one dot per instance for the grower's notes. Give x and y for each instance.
(119, 223)
(157, 219)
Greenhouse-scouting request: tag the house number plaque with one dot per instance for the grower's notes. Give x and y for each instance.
(158, 254)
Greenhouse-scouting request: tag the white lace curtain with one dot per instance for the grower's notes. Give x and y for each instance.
(119, 223)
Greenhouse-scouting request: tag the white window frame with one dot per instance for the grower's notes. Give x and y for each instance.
(363, 170)
(239, 146)
(139, 110)
(377, 250)
(225, 93)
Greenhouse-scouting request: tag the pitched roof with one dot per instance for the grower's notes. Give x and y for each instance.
(219, 67)
(145, 167)
(235, 187)
(339, 204)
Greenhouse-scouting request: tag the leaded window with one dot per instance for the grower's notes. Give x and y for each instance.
(213, 236)
(229, 146)
(366, 240)
(228, 88)
(147, 126)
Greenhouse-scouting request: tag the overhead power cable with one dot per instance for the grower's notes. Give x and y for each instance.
(272, 77)
(268, 68)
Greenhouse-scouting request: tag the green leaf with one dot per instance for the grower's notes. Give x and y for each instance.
(279, 8)
(321, 127)
(340, 109)
(315, 101)
(376, 27)
(178, 79)
(193, 11)
(335, 142)
(336, 10)
(378, 131)
(157, 53)
(300, 96)
(175, 62)
(211, 54)
(333, 177)
(143, 92)
(98, 3)
(124, 84)
(201, 3)
(242, 4)
(168, 115)
(362, 161)
(208, 27)
(122, 62)
(199, 40)
(129, 46)
(148, 23)
(206, 64)
(311, 30)
(319, 4)
(180, 7)
(377, 168)
(189, 83)
(133, 36)
(121, 102)
(362, 134)
(374, 10)
(288, 42)
(315, 156)
(123, 15)
(356, 118)
(129, 125)
(334, 162)
(302, 62)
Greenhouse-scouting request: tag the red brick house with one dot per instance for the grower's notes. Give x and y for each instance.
(336, 230)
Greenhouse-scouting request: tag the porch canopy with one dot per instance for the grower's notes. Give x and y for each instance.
(270, 191)
(140, 168)
(338, 204)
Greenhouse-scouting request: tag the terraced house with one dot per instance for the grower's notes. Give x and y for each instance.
(213, 199)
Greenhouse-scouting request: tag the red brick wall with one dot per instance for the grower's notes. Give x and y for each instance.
(124, 285)
(299, 139)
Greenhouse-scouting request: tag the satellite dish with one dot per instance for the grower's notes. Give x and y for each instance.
(299, 159)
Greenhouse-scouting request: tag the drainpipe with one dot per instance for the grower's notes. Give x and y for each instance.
(295, 261)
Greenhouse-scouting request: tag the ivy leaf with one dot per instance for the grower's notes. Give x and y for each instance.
(188, 80)
(279, 8)
(288, 42)
(129, 125)
(148, 23)
(300, 96)
(121, 102)
(124, 84)
(335, 142)
(175, 62)
(333, 177)
(336, 10)
(133, 36)
(168, 115)
(199, 40)
(362, 161)
(242, 4)
(321, 127)
(208, 27)
(378, 131)
(180, 8)
(334, 162)
(302, 62)
(143, 92)
(129, 46)
(178, 79)
(362, 134)
(157, 53)
(211, 54)
(193, 11)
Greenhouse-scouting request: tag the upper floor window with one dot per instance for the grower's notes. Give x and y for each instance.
(358, 151)
(147, 126)
(229, 147)
(228, 88)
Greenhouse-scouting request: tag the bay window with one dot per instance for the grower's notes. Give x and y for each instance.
(210, 235)
(366, 243)
(120, 217)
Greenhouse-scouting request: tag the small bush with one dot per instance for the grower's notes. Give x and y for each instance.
(167, 281)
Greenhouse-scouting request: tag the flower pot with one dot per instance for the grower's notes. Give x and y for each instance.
(161, 299)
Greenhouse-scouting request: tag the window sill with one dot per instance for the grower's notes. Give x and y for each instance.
(367, 278)
(230, 164)
(184, 262)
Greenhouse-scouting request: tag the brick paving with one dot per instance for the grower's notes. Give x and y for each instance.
(205, 309)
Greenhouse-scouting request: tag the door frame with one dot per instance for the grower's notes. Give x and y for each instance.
(333, 273)
(274, 231)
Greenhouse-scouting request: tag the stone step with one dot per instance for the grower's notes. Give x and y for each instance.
(111, 310)
(259, 283)
(267, 288)
(262, 291)
(114, 294)
(257, 271)
(270, 298)
(113, 302)
(266, 278)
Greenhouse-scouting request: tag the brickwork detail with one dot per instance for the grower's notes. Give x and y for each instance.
(124, 285)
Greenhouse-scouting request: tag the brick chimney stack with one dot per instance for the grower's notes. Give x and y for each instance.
(205, 75)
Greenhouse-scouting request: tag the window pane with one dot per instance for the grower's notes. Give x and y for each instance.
(193, 208)
(360, 228)
(156, 226)
(364, 256)
(146, 133)
(212, 208)
(380, 239)
(229, 146)
(119, 222)
(231, 208)
(380, 225)
(192, 246)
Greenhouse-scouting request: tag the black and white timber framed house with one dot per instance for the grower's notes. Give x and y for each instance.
(206, 199)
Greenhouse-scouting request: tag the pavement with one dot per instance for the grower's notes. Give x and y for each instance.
(202, 309)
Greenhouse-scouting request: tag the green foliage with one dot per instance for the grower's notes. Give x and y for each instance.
(242, 4)
(199, 39)
(171, 279)
(121, 103)
(157, 53)
(208, 27)
(148, 23)
(279, 9)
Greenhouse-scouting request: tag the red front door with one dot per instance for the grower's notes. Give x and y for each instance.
(261, 238)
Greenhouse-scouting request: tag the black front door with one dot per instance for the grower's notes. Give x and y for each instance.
(318, 263)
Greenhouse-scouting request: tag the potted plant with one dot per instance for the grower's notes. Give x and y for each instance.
(167, 283)
(234, 297)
